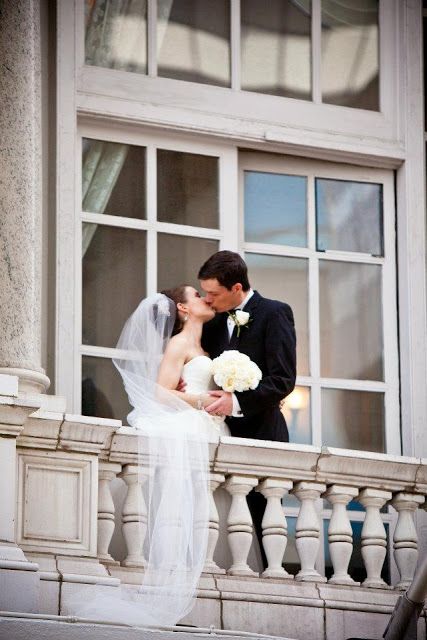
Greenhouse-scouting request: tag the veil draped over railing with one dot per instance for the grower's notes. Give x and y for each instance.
(174, 450)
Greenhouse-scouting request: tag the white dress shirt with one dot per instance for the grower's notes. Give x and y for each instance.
(237, 412)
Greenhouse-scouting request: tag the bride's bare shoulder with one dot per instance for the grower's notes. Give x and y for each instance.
(176, 347)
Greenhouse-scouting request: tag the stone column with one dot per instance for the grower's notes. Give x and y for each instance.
(20, 195)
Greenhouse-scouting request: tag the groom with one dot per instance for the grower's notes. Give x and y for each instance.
(267, 337)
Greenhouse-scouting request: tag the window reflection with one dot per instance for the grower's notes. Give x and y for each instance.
(276, 47)
(114, 270)
(116, 34)
(350, 53)
(353, 419)
(285, 279)
(351, 341)
(296, 409)
(193, 40)
(113, 178)
(349, 216)
(275, 208)
(103, 394)
(187, 189)
(180, 258)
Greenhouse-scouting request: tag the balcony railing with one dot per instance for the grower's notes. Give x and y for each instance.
(61, 516)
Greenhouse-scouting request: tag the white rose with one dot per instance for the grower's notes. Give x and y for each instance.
(242, 317)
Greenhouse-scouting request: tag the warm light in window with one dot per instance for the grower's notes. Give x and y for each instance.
(296, 400)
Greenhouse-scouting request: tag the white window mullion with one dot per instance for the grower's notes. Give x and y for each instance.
(229, 200)
(390, 329)
(152, 38)
(235, 44)
(78, 283)
(80, 53)
(316, 50)
(313, 315)
(314, 343)
(114, 221)
(151, 202)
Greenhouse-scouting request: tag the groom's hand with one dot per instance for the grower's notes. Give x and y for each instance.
(223, 406)
(181, 385)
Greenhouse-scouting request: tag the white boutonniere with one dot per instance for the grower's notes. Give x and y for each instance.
(240, 319)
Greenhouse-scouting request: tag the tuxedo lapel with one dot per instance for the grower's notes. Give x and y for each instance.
(245, 329)
(223, 334)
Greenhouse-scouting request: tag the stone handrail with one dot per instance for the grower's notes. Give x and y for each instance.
(274, 469)
(58, 519)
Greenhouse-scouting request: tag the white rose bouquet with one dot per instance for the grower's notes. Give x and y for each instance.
(235, 371)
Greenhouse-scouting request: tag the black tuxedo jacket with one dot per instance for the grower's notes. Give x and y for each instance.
(269, 340)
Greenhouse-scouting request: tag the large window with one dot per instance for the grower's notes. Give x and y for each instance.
(152, 211)
(321, 50)
(321, 237)
(317, 235)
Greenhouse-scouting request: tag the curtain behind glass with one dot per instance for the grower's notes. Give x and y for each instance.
(102, 163)
(116, 34)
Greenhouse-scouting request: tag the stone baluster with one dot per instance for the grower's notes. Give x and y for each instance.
(134, 515)
(405, 539)
(374, 537)
(215, 480)
(274, 526)
(340, 533)
(308, 529)
(239, 523)
(106, 511)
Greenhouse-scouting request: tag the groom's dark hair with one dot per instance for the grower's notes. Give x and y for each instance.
(228, 268)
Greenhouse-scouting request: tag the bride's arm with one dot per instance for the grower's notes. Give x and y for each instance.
(170, 372)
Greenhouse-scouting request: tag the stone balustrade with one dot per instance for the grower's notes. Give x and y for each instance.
(75, 514)
(308, 473)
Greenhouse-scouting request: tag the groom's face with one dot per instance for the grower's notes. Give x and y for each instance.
(218, 297)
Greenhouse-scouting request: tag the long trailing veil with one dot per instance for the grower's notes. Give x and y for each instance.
(174, 455)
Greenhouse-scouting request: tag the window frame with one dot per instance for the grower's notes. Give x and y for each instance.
(227, 227)
(390, 140)
(271, 112)
(311, 169)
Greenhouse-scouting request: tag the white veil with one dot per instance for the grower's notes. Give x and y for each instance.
(175, 454)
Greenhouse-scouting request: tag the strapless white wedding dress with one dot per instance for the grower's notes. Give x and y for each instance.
(197, 374)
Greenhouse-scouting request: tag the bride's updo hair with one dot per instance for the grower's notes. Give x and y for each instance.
(177, 295)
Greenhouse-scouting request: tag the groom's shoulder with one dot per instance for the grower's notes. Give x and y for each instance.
(269, 304)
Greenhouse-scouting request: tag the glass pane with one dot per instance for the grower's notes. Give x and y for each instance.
(350, 53)
(180, 258)
(116, 35)
(349, 216)
(285, 279)
(113, 179)
(296, 409)
(275, 208)
(351, 344)
(113, 280)
(356, 567)
(193, 40)
(276, 47)
(187, 189)
(353, 420)
(103, 394)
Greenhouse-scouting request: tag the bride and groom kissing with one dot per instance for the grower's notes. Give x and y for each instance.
(232, 316)
(172, 349)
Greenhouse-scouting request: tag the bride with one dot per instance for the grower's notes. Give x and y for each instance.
(160, 345)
